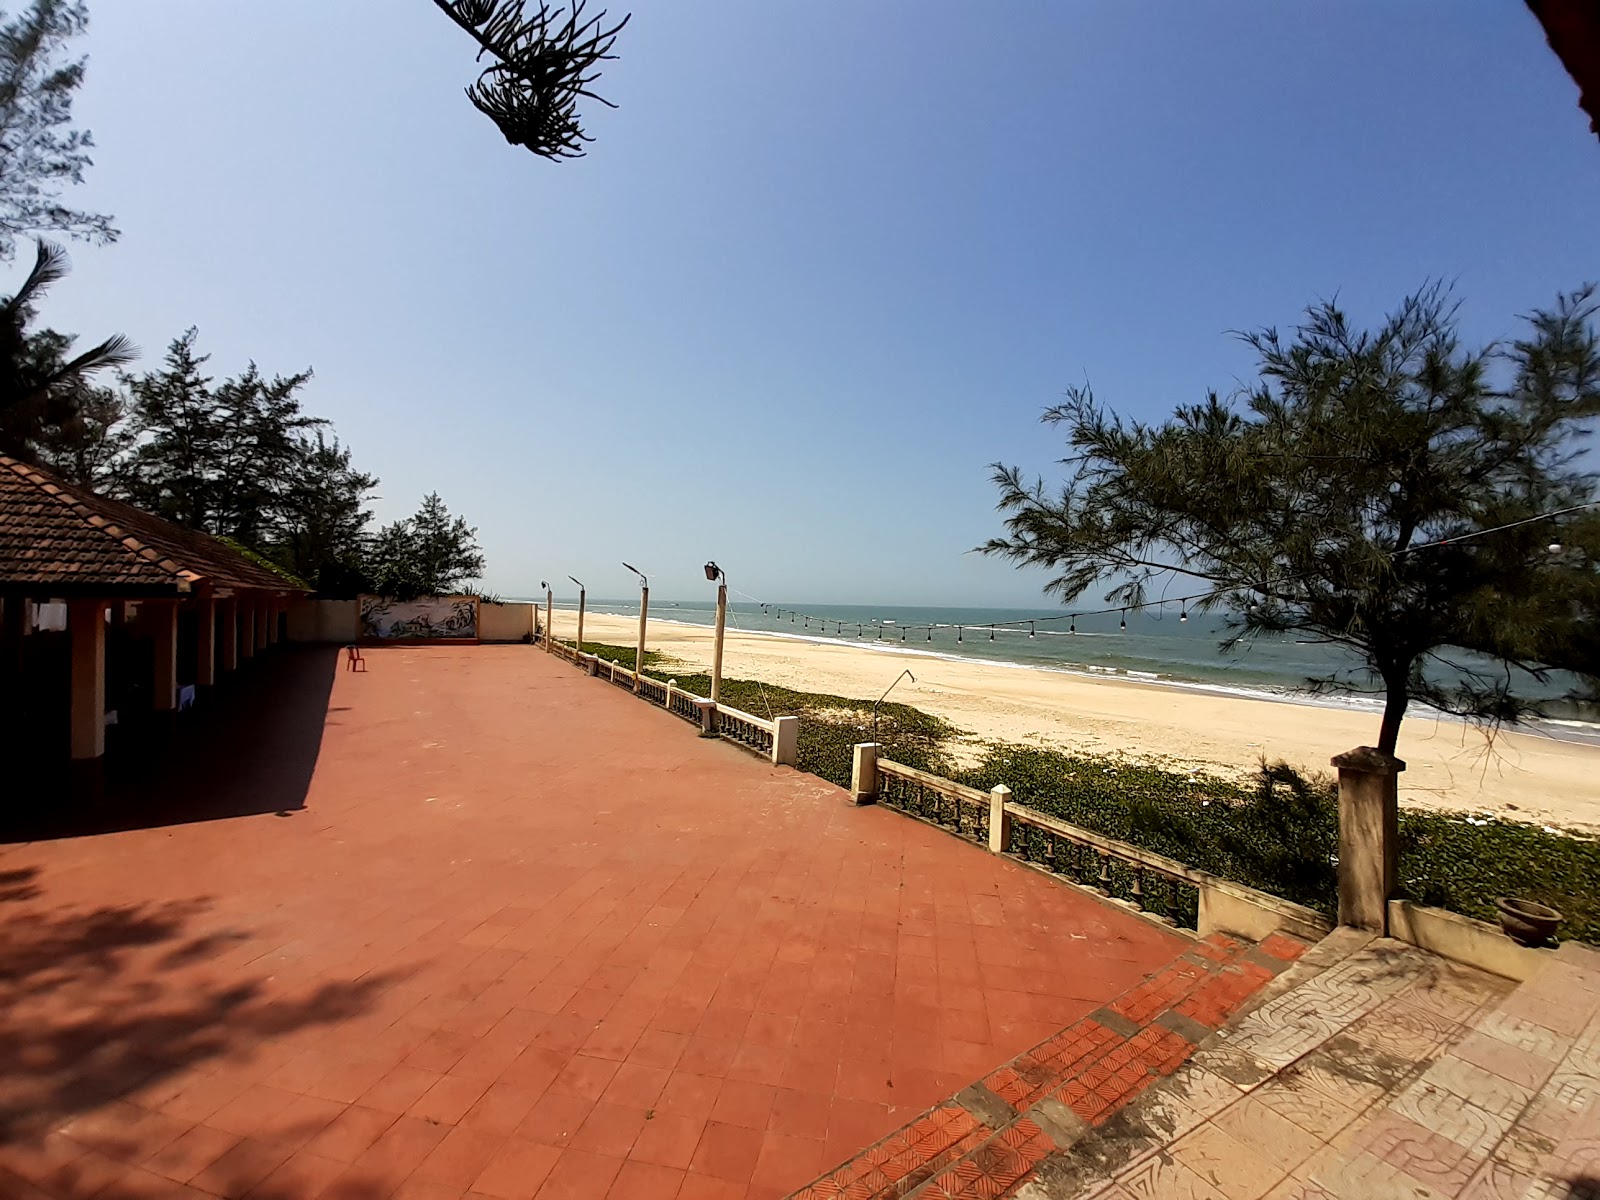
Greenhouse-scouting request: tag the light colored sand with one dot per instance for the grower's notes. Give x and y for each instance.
(1449, 765)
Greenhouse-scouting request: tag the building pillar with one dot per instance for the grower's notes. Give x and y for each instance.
(273, 610)
(247, 630)
(86, 630)
(1369, 816)
(162, 621)
(205, 658)
(230, 635)
(262, 609)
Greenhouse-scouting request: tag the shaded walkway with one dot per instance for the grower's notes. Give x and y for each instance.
(527, 935)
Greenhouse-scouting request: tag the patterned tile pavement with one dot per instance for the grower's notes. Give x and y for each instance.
(990, 1136)
(473, 924)
(1389, 1073)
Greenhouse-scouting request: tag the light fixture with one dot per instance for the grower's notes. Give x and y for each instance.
(1555, 547)
(958, 633)
(579, 582)
(1072, 625)
(1184, 615)
(1030, 629)
(713, 571)
(902, 633)
(1124, 618)
(930, 633)
(544, 585)
(991, 633)
(644, 580)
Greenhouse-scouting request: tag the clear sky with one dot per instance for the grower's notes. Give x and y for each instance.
(824, 263)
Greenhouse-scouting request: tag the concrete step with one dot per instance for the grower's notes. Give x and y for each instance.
(1369, 1070)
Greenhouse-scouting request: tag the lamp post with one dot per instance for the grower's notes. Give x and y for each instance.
(582, 593)
(549, 613)
(720, 577)
(644, 613)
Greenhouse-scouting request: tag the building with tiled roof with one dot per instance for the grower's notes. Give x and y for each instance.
(131, 584)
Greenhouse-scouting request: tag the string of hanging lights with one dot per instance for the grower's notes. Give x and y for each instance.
(1029, 625)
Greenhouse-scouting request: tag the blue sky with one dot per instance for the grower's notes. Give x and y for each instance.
(822, 265)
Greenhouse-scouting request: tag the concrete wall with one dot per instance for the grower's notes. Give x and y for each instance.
(504, 622)
(337, 621)
(1461, 938)
(1227, 907)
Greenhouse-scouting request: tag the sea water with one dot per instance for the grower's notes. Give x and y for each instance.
(1156, 646)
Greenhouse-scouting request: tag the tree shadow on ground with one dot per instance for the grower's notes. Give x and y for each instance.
(248, 747)
(111, 1013)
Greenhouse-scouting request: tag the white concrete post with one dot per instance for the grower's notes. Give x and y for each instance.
(1369, 817)
(205, 659)
(86, 627)
(162, 621)
(864, 774)
(999, 819)
(716, 645)
(786, 741)
(638, 654)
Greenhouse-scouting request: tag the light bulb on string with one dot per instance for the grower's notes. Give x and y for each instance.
(1183, 616)
(1124, 625)
(1072, 625)
(991, 633)
(902, 633)
(958, 633)
(1030, 629)
(1555, 546)
(930, 633)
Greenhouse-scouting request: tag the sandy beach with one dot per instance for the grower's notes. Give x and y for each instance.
(1449, 765)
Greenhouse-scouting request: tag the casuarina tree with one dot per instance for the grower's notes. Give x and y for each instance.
(1354, 495)
(429, 554)
(40, 153)
(540, 66)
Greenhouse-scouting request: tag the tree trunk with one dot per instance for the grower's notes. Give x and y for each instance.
(1396, 697)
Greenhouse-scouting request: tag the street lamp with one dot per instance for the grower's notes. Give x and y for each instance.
(720, 577)
(549, 614)
(582, 592)
(644, 612)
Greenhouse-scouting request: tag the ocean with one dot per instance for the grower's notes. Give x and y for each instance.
(1155, 647)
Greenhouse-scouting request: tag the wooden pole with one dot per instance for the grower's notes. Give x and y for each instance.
(549, 612)
(581, 596)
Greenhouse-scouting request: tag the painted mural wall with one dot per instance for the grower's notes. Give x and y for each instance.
(431, 617)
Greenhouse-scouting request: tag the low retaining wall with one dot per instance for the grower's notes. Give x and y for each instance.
(1475, 943)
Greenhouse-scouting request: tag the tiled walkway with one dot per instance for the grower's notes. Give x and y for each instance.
(526, 935)
(987, 1139)
(1383, 1073)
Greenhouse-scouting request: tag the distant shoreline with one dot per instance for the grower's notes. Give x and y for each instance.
(1555, 729)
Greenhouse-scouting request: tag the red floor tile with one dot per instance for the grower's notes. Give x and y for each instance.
(499, 896)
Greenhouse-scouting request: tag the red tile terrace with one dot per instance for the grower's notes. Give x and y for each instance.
(471, 923)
